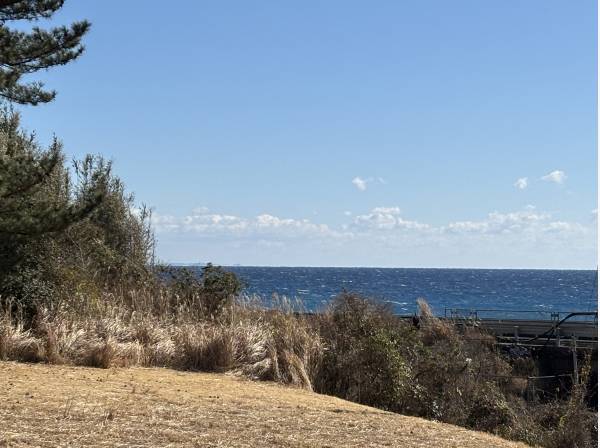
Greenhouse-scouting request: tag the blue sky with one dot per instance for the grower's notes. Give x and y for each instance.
(346, 133)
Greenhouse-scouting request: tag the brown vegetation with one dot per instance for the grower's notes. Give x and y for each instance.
(356, 350)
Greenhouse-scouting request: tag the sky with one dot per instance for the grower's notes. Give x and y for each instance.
(343, 133)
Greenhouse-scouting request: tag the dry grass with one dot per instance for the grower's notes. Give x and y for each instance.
(262, 345)
(48, 406)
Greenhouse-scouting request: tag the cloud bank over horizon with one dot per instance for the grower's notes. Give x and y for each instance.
(382, 236)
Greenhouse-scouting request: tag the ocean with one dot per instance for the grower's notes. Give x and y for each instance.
(513, 292)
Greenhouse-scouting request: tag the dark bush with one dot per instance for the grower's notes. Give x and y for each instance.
(374, 357)
(367, 354)
(209, 295)
(219, 289)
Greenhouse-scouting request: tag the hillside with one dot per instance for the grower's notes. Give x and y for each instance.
(51, 406)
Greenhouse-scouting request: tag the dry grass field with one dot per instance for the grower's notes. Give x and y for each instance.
(49, 406)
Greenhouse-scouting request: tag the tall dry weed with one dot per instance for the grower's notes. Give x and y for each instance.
(17, 343)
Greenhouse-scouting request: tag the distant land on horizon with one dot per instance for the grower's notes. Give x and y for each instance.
(202, 264)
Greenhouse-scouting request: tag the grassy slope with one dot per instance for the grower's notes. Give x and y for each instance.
(43, 405)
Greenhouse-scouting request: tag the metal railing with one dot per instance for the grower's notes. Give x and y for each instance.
(484, 313)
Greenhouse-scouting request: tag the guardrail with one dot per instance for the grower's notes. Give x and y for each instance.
(578, 330)
(484, 313)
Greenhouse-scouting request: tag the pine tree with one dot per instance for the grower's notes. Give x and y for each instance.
(24, 169)
(35, 200)
(26, 207)
(61, 231)
(23, 53)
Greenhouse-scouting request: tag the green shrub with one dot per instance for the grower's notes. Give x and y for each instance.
(367, 354)
(219, 289)
(433, 371)
(209, 295)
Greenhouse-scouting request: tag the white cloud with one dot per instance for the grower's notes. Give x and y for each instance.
(165, 223)
(288, 226)
(498, 222)
(521, 183)
(362, 184)
(387, 210)
(380, 219)
(378, 237)
(385, 218)
(467, 227)
(522, 223)
(201, 222)
(556, 176)
(359, 183)
(562, 226)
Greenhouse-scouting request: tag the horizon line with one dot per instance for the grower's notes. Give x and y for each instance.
(174, 263)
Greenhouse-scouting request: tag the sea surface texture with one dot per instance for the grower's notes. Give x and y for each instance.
(515, 293)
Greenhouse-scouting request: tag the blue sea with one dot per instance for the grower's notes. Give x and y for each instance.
(510, 291)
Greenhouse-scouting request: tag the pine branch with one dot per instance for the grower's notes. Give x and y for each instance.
(41, 170)
(28, 9)
(25, 52)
